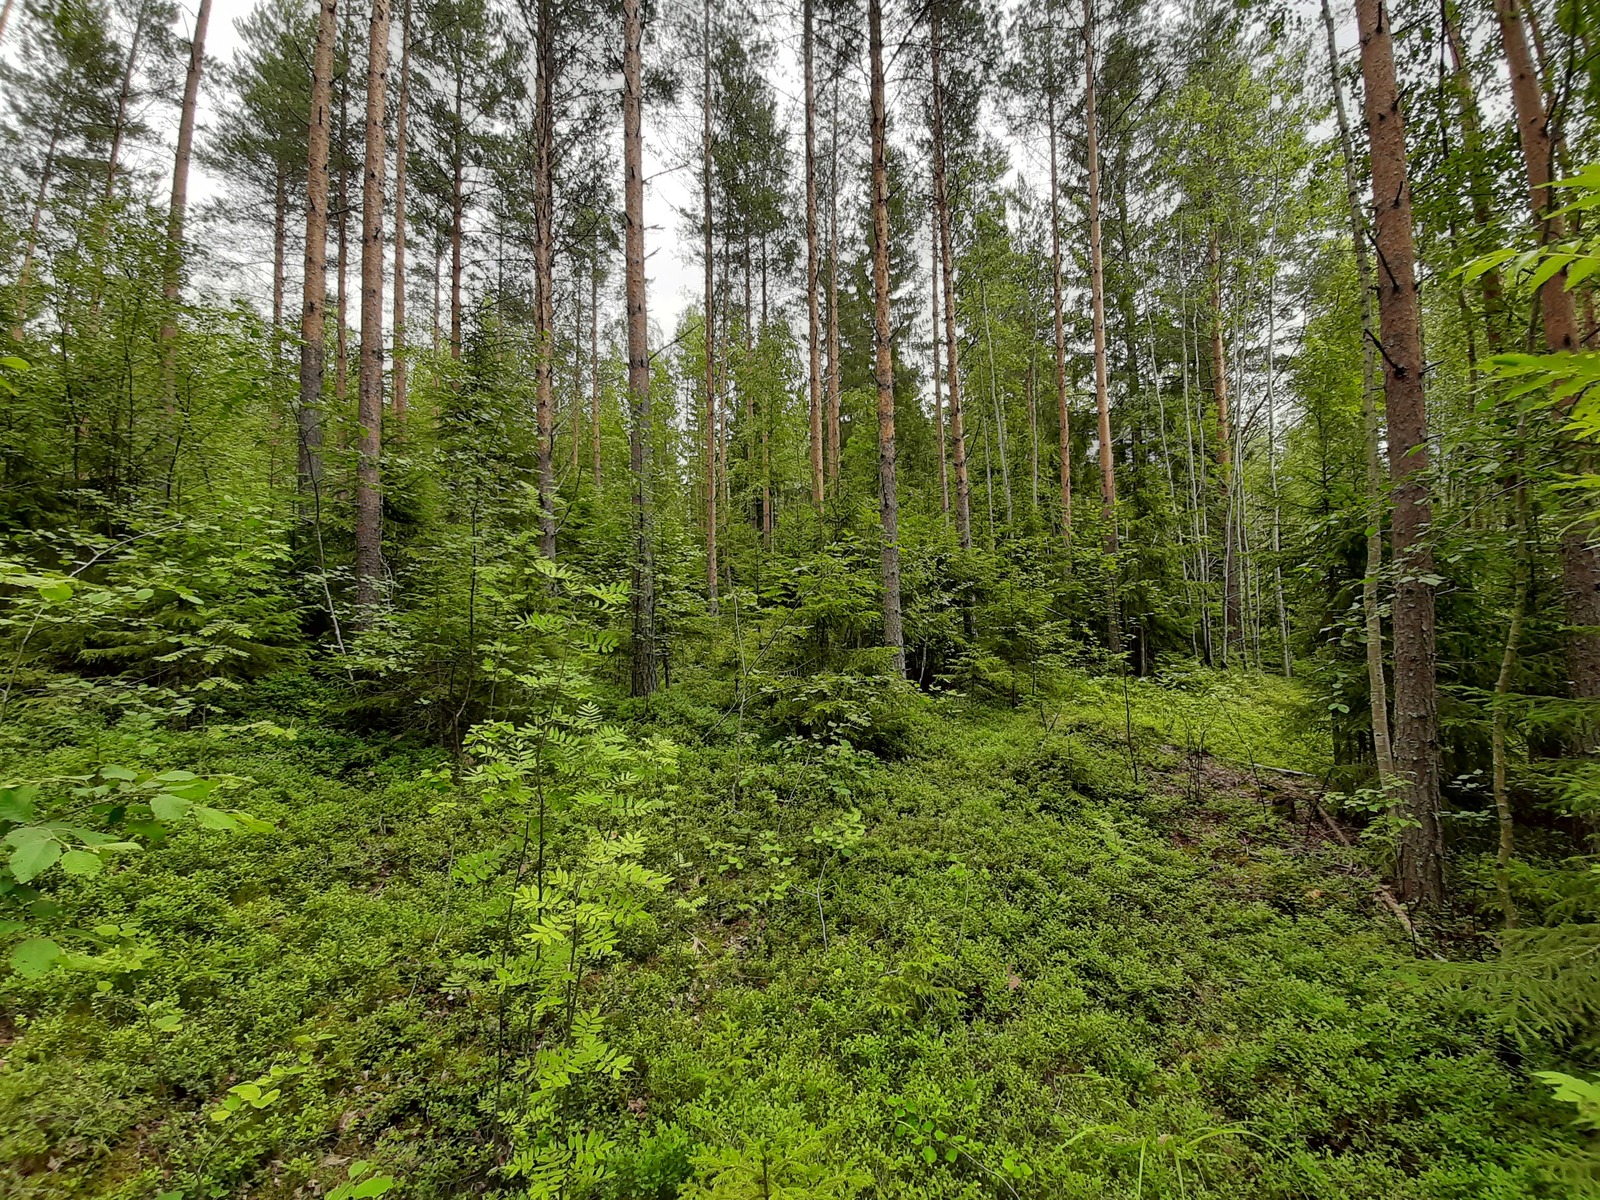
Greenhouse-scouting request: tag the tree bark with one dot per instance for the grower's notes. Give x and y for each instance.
(397, 398)
(369, 397)
(941, 204)
(835, 448)
(1481, 185)
(341, 283)
(1420, 873)
(544, 242)
(172, 271)
(594, 368)
(1580, 539)
(1108, 476)
(124, 95)
(280, 223)
(457, 215)
(314, 293)
(642, 598)
(938, 397)
(813, 316)
(1062, 412)
(1219, 384)
(888, 497)
(708, 250)
(25, 276)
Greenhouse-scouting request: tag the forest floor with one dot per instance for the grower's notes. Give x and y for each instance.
(1101, 948)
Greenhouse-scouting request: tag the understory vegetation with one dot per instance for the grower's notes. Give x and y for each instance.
(1102, 945)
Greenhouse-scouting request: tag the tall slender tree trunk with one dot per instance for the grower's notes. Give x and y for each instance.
(835, 447)
(397, 398)
(1097, 289)
(576, 410)
(1219, 383)
(594, 368)
(544, 243)
(883, 360)
(640, 433)
(457, 216)
(341, 284)
(1420, 872)
(119, 127)
(994, 403)
(25, 276)
(938, 397)
(280, 232)
(813, 316)
(1482, 187)
(369, 398)
(5, 17)
(314, 291)
(708, 251)
(941, 204)
(1580, 538)
(1377, 688)
(172, 269)
(1522, 581)
(1062, 412)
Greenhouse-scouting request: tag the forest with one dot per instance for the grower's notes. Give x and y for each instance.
(757, 599)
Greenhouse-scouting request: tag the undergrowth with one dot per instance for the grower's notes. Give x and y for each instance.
(1102, 947)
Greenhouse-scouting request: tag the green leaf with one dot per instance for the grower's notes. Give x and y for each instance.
(115, 772)
(16, 803)
(33, 858)
(214, 818)
(165, 807)
(34, 957)
(56, 593)
(81, 862)
(376, 1186)
(1548, 269)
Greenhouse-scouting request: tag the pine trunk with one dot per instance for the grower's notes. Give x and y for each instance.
(1580, 555)
(1062, 412)
(544, 242)
(280, 237)
(172, 268)
(642, 599)
(941, 202)
(835, 447)
(314, 293)
(369, 383)
(813, 315)
(594, 368)
(938, 396)
(888, 497)
(25, 276)
(397, 398)
(708, 250)
(457, 216)
(1377, 686)
(124, 94)
(1420, 871)
(1108, 476)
